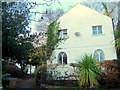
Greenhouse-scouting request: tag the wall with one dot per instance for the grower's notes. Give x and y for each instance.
(81, 19)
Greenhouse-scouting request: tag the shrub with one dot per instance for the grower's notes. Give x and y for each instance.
(5, 82)
(13, 70)
(40, 75)
(88, 71)
(25, 70)
(109, 74)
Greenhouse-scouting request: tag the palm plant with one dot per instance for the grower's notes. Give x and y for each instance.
(117, 38)
(88, 71)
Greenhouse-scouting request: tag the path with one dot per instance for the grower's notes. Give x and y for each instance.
(27, 82)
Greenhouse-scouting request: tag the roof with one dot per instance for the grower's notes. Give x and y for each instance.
(82, 9)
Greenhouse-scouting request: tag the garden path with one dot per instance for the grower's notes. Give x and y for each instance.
(27, 81)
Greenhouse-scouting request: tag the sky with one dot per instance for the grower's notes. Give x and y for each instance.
(54, 4)
(63, 5)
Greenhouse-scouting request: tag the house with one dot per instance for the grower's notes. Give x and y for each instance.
(85, 31)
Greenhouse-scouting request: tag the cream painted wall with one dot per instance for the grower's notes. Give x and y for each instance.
(81, 19)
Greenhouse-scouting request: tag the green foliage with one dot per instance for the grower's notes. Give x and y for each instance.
(37, 55)
(25, 70)
(40, 75)
(117, 39)
(88, 71)
(5, 82)
(52, 38)
(13, 70)
(5, 76)
(16, 40)
(36, 74)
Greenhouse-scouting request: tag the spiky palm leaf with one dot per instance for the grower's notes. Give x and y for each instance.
(88, 71)
(117, 36)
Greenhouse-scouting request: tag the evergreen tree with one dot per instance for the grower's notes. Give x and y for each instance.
(16, 41)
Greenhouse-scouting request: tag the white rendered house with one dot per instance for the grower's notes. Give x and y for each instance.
(86, 31)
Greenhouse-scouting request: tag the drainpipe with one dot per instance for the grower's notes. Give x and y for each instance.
(113, 24)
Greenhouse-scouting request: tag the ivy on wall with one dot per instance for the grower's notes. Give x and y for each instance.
(52, 38)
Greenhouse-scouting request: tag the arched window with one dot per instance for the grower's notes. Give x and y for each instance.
(62, 58)
(99, 55)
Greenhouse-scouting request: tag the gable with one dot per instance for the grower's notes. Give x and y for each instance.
(81, 13)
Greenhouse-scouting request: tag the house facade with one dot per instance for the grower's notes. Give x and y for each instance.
(85, 31)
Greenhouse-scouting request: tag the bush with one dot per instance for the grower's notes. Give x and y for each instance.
(13, 70)
(25, 70)
(109, 74)
(5, 82)
(40, 75)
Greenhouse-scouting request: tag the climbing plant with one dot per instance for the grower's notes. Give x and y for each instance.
(52, 38)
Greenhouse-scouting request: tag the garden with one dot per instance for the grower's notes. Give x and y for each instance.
(91, 74)
(20, 46)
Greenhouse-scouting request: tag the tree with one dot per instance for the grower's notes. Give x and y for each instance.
(46, 19)
(88, 71)
(117, 39)
(52, 38)
(108, 12)
(41, 54)
(16, 40)
(48, 37)
(107, 8)
(37, 56)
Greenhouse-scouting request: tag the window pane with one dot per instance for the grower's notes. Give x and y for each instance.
(96, 56)
(94, 27)
(65, 59)
(99, 55)
(60, 34)
(94, 30)
(63, 33)
(62, 58)
(99, 29)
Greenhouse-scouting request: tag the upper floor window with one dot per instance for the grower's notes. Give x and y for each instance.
(63, 33)
(99, 55)
(96, 30)
(62, 58)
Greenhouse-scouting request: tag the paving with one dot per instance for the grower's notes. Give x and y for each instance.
(27, 82)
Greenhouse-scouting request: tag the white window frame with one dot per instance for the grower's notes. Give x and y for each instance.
(61, 33)
(62, 55)
(99, 52)
(97, 30)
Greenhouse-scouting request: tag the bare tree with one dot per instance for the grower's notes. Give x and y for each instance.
(48, 17)
(107, 8)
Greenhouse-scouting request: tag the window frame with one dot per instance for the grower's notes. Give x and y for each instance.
(101, 53)
(61, 34)
(96, 31)
(61, 58)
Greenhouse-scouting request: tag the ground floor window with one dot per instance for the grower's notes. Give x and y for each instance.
(99, 55)
(62, 58)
